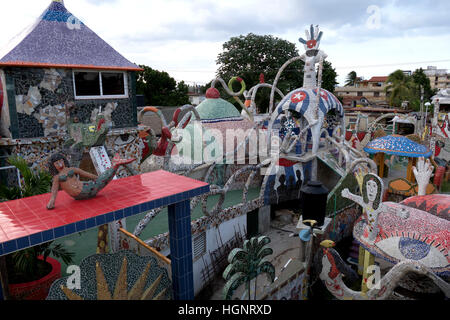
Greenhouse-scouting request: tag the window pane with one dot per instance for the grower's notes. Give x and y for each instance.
(113, 83)
(87, 84)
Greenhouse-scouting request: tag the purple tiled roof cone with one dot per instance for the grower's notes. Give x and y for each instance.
(59, 39)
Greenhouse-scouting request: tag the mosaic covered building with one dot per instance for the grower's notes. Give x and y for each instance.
(56, 63)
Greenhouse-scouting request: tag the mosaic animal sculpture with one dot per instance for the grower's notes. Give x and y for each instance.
(435, 204)
(407, 233)
(66, 178)
(331, 268)
(170, 135)
(119, 276)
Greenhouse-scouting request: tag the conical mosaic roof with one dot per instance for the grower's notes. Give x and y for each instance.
(58, 39)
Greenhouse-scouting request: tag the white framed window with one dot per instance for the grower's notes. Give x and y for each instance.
(91, 84)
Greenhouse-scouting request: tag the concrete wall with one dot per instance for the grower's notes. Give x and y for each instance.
(227, 232)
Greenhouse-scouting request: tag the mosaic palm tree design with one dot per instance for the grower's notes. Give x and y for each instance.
(139, 278)
(246, 264)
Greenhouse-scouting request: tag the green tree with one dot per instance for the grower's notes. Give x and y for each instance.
(401, 88)
(328, 76)
(252, 55)
(420, 79)
(159, 89)
(249, 56)
(351, 78)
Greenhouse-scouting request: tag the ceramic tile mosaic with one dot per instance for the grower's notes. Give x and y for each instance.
(60, 39)
(111, 265)
(25, 222)
(397, 145)
(418, 236)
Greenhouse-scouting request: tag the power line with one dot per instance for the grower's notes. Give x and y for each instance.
(337, 67)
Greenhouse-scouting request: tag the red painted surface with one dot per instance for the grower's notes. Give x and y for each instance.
(27, 216)
(38, 289)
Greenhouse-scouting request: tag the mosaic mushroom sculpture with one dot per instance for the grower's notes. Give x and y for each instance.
(331, 268)
(119, 276)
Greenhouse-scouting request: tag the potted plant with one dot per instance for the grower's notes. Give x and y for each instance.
(31, 271)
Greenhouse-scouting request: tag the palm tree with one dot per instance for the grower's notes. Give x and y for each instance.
(35, 182)
(246, 264)
(400, 88)
(351, 79)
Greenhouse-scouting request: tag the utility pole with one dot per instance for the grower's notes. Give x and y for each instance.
(421, 107)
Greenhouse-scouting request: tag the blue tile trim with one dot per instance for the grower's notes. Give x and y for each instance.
(128, 212)
(48, 235)
(109, 217)
(69, 229)
(90, 223)
(9, 246)
(100, 220)
(59, 232)
(118, 215)
(179, 227)
(36, 239)
(23, 243)
(80, 226)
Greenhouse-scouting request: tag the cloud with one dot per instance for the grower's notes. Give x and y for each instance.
(186, 36)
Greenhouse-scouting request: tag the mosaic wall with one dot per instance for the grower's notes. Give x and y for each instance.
(40, 94)
(291, 289)
(126, 142)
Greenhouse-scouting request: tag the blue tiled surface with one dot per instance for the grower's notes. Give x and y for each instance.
(181, 250)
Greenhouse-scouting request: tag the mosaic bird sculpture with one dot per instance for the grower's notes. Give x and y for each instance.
(332, 268)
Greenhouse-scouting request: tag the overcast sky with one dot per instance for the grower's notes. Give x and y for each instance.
(184, 37)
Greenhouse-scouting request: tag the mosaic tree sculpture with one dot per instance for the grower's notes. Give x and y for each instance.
(246, 264)
(332, 268)
(120, 276)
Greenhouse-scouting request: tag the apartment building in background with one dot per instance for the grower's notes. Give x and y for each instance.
(372, 90)
(439, 78)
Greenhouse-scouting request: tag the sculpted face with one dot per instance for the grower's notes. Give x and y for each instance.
(371, 190)
(59, 164)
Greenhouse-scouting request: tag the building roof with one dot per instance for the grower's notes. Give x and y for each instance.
(375, 109)
(59, 40)
(378, 79)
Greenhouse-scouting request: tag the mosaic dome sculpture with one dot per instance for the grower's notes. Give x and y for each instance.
(217, 114)
(397, 145)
